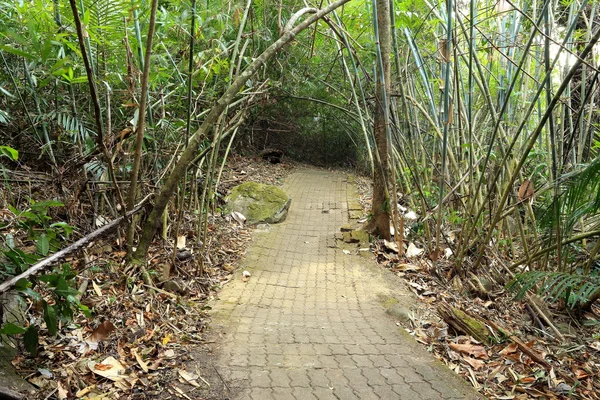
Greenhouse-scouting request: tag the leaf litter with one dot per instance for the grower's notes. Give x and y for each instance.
(504, 368)
(139, 341)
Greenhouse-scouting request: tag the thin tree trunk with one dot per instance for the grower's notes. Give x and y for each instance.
(139, 140)
(380, 221)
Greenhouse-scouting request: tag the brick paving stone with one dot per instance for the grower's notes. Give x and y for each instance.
(283, 394)
(299, 378)
(308, 324)
(385, 392)
(425, 390)
(324, 394)
(260, 379)
(262, 394)
(344, 393)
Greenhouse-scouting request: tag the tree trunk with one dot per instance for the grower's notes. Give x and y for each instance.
(190, 151)
(380, 219)
(141, 126)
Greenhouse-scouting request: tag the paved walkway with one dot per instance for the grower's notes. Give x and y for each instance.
(308, 324)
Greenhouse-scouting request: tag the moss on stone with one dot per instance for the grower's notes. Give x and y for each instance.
(259, 202)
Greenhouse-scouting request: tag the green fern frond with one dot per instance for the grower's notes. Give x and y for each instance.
(96, 168)
(69, 123)
(580, 198)
(575, 288)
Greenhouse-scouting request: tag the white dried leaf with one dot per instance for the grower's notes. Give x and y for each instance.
(110, 368)
(239, 217)
(101, 221)
(62, 393)
(45, 373)
(413, 251)
(391, 246)
(245, 276)
(189, 377)
(411, 215)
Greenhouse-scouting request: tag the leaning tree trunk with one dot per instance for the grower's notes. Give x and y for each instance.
(380, 222)
(190, 152)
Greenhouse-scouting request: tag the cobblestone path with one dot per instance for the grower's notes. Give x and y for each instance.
(308, 324)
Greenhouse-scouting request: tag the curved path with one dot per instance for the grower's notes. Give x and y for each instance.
(309, 323)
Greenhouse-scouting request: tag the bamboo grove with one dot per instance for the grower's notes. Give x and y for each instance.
(491, 115)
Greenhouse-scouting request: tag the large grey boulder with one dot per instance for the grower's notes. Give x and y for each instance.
(259, 203)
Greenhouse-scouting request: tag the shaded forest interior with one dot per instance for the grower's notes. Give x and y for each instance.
(477, 123)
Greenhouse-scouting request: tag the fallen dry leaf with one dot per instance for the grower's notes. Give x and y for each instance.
(61, 392)
(407, 267)
(476, 364)
(181, 239)
(102, 332)
(245, 276)
(85, 391)
(391, 246)
(581, 374)
(139, 360)
(472, 349)
(511, 348)
(239, 217)
(189, 378)
(528, 379)
(110, 368)
(97, 289)
(526, 190)
(413, 251)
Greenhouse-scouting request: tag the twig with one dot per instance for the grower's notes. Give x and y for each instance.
(220, 377)
(161, 291)
(54, 258)
(534, 355)
(85, 279)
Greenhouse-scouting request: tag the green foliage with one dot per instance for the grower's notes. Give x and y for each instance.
(9, 152)
(37, 223)
(62, 286)
(574, 288)
(580, 198)
(46, 235)
(61, 283)
(31, 340)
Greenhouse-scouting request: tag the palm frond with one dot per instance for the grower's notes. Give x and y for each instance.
(580, 198)
(574, 288)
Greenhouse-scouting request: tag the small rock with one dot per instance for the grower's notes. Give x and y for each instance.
(184, 255)
(173, 287)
